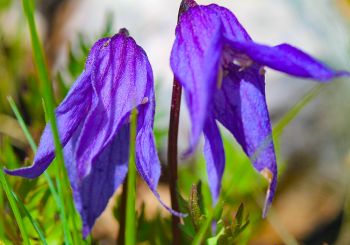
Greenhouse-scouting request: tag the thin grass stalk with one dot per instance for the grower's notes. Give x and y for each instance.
(2, 233)
(34, 149)
(31, 142)
(50, 105)
(31, 219)
(15, 209)
(130, 221)
(296, 109)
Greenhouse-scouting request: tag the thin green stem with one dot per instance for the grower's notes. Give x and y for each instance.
(63, 213)
(14, 208)
(22, 123)
(44, 78)
(130, 222)
(30, 141)
(33, 221)
(2, 233)
(47, 176)
(50, 105)
(295, 110)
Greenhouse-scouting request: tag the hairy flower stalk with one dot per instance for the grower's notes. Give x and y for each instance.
(221, 70)
(172, 157)
(172, 141)
(94, 127)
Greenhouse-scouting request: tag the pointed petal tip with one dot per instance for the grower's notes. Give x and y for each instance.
(86, 231)
(270, 177)
(335, 75)
(172, 211)
(342, 74)
(26, 172)
(267, 204)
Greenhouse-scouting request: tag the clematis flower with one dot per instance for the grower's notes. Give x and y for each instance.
(221, 70)
(94, 121)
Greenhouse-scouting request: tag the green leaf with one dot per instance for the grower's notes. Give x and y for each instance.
(47, 93)
(14, 208)
(33, 221)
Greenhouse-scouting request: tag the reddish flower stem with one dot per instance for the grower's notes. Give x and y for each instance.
(172, 157)
(173, 139)
(122, 213)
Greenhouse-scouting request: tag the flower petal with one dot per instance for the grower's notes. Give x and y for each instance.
(69, 114)
(92, 193)
(286, 58)
(195, 59)
(214, 156)
(119, 80)
(231, 26)
(240, 106)
(147, 161)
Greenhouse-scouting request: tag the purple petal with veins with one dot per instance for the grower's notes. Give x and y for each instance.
(217, 62)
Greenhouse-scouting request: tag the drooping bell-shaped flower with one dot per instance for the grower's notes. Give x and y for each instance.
(93, 123)
(221, 70)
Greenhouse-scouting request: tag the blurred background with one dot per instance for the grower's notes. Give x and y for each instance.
(312, 201)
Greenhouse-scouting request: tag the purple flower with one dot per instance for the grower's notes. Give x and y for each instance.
(221, 71)
(93, 123)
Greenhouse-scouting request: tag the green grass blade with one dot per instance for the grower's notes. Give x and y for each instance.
(2, 233)
(44, 78)
(34, 148)
(22, 123)
(130, 222)
(63, 213)
(295, 110)
(14, 208)
(31, 143)
(33, 221)
(50, 105)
